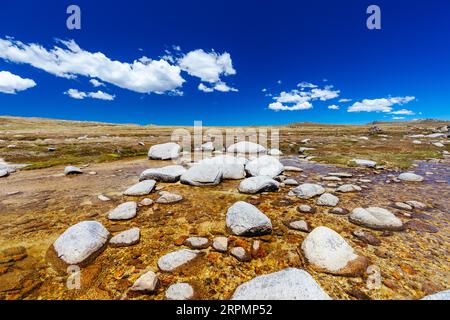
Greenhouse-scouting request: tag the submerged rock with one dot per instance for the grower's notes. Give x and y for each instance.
(165, 151)
(375, 218)
(288, 284)
(241, 254)
(126, 238)
(176, 259)
(264, 166)
(307, 191)
(258, 184)
(244, 219)
(202, 175)
(180, 291)
(220, 244)
(148, 282)
(81, 242)
(197, 242)
(123, 211)
(367, 237)
(168, 197)
(328, 252)
(142, 188)
(164, 174)
(348, 188)
(327, 199)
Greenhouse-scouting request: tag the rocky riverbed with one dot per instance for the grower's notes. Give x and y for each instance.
(38, 206)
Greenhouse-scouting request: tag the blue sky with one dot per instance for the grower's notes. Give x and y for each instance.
(307, 55)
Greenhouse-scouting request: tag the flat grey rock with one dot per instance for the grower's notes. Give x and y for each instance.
(123, 211)
(142, 188)
(202, 175)
(245, 219)
(375, 218)
(126, 238)
(4, 173)
(176, 259)
(288, 284)
(345, 188)
(264, 166)
(164, 174)
(81, 241)
(307, 191)
(165, 151)
(258, 184)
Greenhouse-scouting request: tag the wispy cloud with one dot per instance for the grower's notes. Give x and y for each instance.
(333, 107)
(80, 95)
(11, 83)
(404, 112)
(96, 83)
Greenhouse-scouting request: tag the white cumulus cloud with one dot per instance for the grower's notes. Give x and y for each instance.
(333, 107)
(301, 99)
(208, 66)
(70, 61)
(11, 83)
(379, 105)
(278, 106)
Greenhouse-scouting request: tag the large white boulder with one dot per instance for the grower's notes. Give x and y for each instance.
(246, 147)
(328, 252)
(165, 151)
(233, 168)
(244, 219)
(202, 175)
(375, 218)
(258, 184)
(80, 242)
(164, 174)
(264, 166)
(287, 284)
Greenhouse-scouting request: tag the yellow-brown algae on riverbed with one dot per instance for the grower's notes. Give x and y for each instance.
(412, 263)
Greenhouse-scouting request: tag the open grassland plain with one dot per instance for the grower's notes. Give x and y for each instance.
(407, 257)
